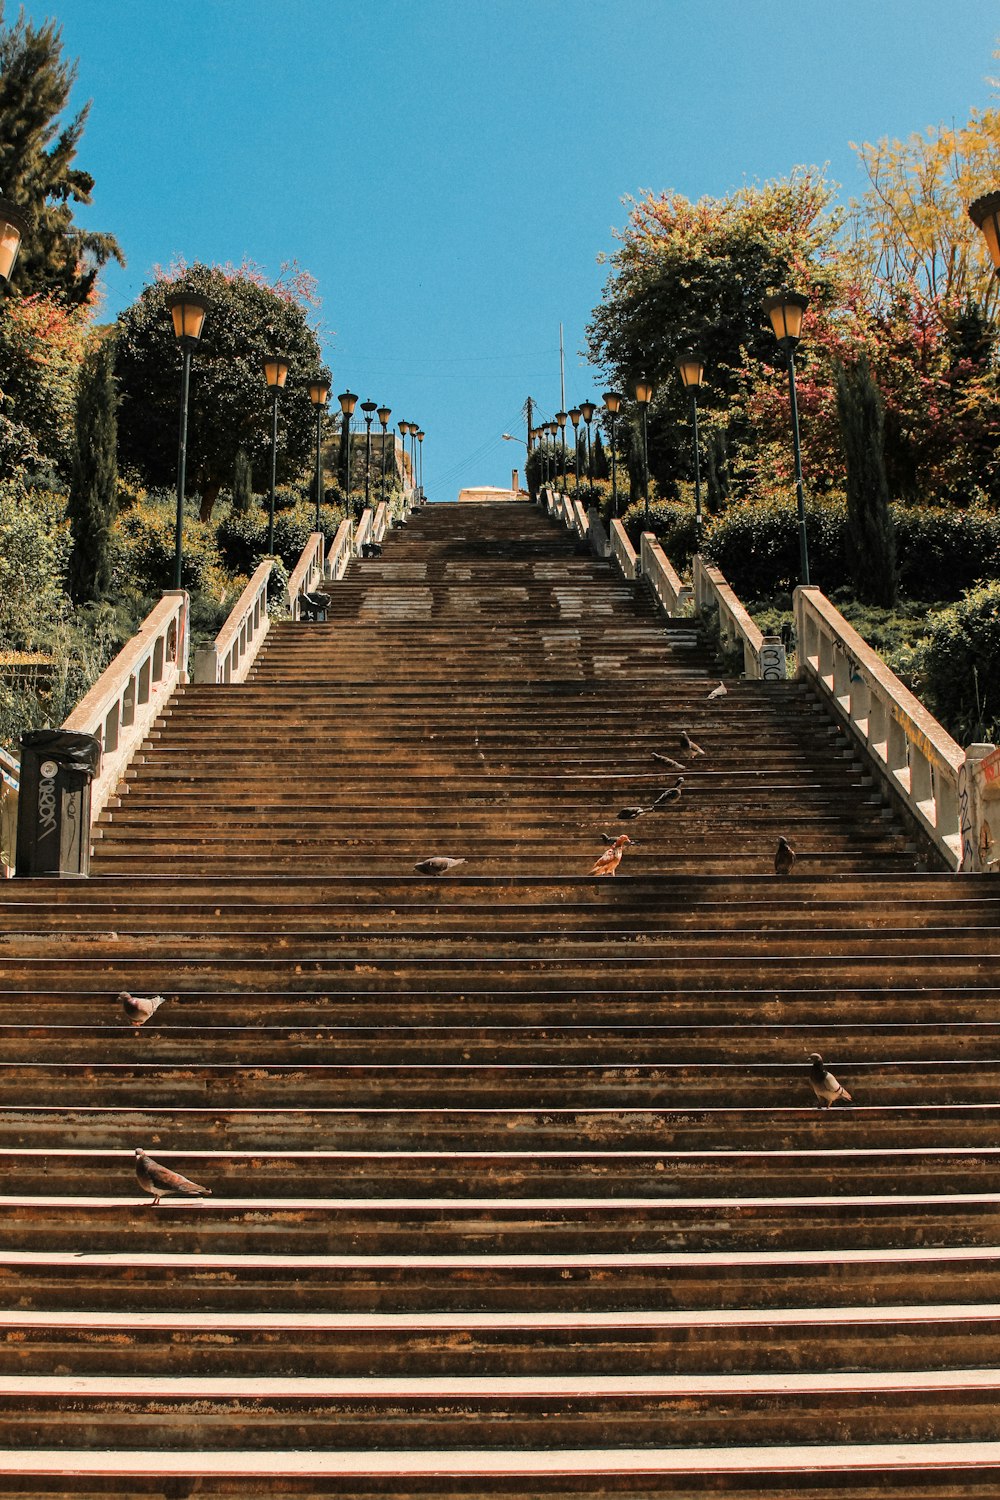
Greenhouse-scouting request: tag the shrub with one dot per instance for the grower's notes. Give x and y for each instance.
(757, 546)
(943, 552)
(144, 562)
(242, 536)
(34, 546)
(673, 524)
(961, 664)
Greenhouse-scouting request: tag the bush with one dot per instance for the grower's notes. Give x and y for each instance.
(757, 546)
(961, 665)
(144, 551)
(242, 536)
(673, 524)
(34, 548)
(943, 552)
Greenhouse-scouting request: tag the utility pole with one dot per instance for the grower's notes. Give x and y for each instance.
(529, 410)
(562, 372)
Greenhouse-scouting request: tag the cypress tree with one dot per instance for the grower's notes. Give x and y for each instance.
(37, 152)
(93, 493)
(242, 483)
(716, 470)
(602, 464)
(871, 542)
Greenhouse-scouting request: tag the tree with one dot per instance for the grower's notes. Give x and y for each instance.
(230, 404)
(93, 494)
(870, 539)
(42, 345)
(37, 153)
(242, 483)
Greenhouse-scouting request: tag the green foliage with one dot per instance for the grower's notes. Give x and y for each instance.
(243, 500)
(242, 537)
(942, 551)
(37, 151)
(144, 551)
(230, 404)
(42, 345)
(93, 492)
(757, 546)
(34, 544)
(961, 665)
(871, 543)
(673, 524)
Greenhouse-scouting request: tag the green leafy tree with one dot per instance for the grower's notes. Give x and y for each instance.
(42, 345)
(93, 493)
(37, 171)
(230, 404)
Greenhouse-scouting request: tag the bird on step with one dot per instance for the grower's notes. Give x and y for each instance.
(668, 760)
(439, 864)
(632, 812)
(825, 1086)
(720, 691)
(784, 857)
(688, 745)
(139, 1008)
(608, 862)
(672, 794)
(162, 1183)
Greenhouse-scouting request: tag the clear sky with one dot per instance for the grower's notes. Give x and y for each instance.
(450, 170)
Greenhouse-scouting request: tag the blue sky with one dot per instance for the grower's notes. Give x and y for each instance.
(450, 170)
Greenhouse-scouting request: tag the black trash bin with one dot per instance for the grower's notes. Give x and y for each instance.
(53, 812)
(313, 607)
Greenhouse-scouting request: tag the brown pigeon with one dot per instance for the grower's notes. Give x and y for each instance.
(139, 1008)
(439, 864)
(825, 1086)
(672, 794)
(609, 861)
(784, 857)
(161, 1182)
(719, 692)
(688, 744)
(632, 812)
(668, 760)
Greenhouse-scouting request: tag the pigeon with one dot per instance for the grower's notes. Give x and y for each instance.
(720, 691)
(162, 1183)
(784, 857)
(632, 812)
(609, 861)
(139, 1008)
(688, 744)
(825, 1086)
(668, 760)
(672, 794)
(440, 864)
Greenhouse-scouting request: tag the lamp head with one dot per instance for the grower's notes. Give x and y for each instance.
(691, 368)
(561, 418)
(574, 415)
(319, 390)
(369, 408)
(587, 409)
(348, 401)
(613, 402)
(187, 311)
(384, 413)
(14, 225)
(985, 214)
(786, 311)
(275, 370)
(643, 391)
(420, 436)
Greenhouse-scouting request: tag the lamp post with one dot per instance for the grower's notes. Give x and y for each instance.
(413, 452)
(612, 403)
(552, 428)
(985, 214)
(384, 413)
(561, 419)
(691, 368)
(785, 310)
(275, 373)
(319, 395)
(574, 416)
(14, 225)
(188, 314)
(587, 409)
(348, 401)
(644, 395)
(369, 408)
(420, 452)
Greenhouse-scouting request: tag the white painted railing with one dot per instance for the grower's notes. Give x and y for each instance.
(916, 756)
(123, 703)
(658, 569)
(232, 653)
(308, 571)
(338, 559)
(622, 550)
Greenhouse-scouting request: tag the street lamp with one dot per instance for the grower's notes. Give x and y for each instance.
(587, 409)
(384, 413)
(691, 368)
(561, 419)
(275, 373)
(14, 225)
(786, 310)
(574, 416)
(413, 453)
(644, 395)
(404, 428)
(420, 451)
(985, 214)
(552, 428)
(319, 395)
(369, 408)
(188, 314)
(613, 402)
(348, 401)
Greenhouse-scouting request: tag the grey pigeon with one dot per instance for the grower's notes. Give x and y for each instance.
(668, 760)
(672, 794)
(720, 691)
(161, 1182)
(688, 744)
(139, 1008)
(784, 857)
(825, 1086)
(439, 864)
(631, 812)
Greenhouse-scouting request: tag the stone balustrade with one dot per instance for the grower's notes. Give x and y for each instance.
(363, 531)
(338, 559)
(673, 595)
(622, 551)
(231, 654)
(307, 573)
(381, 521)
(599, 543)
(120, 708)
(763, 656)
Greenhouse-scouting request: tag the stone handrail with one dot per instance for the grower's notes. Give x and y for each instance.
(622, 550)
(599, 544)
(711, 591)
(915, 755)
(125, 700)
(382, 521)
(341, 550)
(580, 518)
(363, 533)
(657, 567)
(232, 653)
(308, 571)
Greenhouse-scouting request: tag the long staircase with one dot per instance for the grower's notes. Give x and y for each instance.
(518, 1186)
